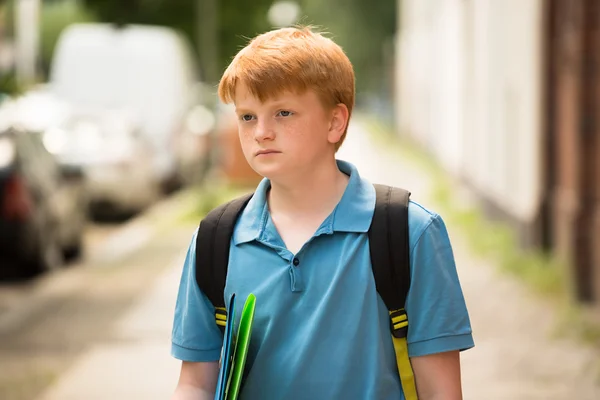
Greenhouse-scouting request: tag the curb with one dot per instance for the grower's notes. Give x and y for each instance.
(127, 238)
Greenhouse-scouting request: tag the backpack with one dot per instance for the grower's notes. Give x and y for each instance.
(388, 245)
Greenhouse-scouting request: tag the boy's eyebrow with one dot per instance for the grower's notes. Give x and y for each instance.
(242, 111)
(274, 104)
(281, 103)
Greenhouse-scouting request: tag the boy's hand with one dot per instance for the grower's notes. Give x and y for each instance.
(197, 381)
(437, 376)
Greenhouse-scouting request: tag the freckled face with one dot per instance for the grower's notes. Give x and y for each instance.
(287, 134)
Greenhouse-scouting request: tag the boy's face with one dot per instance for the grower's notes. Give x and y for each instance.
(287, 135)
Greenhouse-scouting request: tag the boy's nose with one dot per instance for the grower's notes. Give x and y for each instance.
(263, 131)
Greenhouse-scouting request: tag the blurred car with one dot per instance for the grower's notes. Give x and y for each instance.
(192, 145)
(43, 207)
(148, 71)
(115, 156)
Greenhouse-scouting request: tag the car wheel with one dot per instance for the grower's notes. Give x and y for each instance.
(74, 249)
(51, 254)
(73, 252)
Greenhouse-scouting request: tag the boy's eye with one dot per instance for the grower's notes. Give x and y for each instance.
(247, 117)
(285, 113)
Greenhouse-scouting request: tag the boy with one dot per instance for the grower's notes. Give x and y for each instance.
(300, 245)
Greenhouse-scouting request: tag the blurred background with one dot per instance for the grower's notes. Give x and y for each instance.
(113, 145)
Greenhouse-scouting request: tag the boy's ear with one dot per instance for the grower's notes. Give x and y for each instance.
(338, 123)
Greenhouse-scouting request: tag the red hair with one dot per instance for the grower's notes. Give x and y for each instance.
(292, 59)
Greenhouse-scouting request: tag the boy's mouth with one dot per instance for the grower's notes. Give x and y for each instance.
(266, 151)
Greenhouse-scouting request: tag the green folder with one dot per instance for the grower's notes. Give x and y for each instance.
(242, 343)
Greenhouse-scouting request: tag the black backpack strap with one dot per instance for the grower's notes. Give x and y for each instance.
(388, 244)
(212, 251)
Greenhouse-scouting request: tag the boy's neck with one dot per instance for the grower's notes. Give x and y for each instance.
(310, 194)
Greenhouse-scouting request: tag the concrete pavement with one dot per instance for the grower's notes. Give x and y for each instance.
(515, 356)
(136, 363)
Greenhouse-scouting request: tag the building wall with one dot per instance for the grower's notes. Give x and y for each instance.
(469, 89)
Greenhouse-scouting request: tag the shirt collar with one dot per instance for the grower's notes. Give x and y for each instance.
(352, 214)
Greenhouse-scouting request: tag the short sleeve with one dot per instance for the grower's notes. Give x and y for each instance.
(195, 335)
(436, 309)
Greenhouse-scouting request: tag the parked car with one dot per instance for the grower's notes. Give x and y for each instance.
(148, 71)
(193, 145)
(115, 156)
(43, 206)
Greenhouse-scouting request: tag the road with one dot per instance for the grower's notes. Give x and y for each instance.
(46, 324)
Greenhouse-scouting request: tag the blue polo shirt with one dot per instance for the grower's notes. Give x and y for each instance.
(321, 331)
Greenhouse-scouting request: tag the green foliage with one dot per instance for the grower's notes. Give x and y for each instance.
(7, 11)
(9, 85)
(55, 16)
(238, 20)
(365, 30)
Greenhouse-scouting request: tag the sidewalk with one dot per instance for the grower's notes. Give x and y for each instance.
(136, 363)
(515, 357)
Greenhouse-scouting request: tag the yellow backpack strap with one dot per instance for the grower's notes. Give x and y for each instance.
(221, 317)
(399, 323)
(390, 260)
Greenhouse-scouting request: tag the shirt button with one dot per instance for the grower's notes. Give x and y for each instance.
(296, 262)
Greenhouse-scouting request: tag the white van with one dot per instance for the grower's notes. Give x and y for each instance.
(147, 71)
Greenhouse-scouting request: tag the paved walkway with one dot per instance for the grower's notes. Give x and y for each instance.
(515, 357)
(136, 363)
